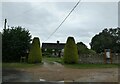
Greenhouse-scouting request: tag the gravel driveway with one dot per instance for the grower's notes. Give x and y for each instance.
(57, 72)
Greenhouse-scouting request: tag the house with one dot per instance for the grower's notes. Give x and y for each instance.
(53, 49)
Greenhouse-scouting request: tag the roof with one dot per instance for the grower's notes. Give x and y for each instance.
(53, 45)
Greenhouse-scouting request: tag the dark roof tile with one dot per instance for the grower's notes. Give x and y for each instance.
(53, 45)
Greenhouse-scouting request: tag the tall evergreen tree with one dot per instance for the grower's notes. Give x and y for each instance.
(70, 51)
(35, 55)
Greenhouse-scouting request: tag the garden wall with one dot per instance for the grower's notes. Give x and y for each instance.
(97, 58)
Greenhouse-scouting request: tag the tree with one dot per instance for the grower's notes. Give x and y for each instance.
(35, 55)
(106, 39)
(82, 49)
(15, 43)
(70, 51)
(115, 33)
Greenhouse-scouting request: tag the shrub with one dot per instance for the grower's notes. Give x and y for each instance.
(35, 55)
(70, 51)
(15, 43)
(82, 48)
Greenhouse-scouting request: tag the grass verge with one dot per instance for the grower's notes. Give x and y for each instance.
(91, 66)
(59, 60)
(19, 65)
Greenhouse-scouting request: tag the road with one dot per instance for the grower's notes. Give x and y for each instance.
(57, 72)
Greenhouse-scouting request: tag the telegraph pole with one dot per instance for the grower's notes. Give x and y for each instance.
(5, 23)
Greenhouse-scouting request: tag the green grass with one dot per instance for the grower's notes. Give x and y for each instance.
(91, 66)
(52, 59)
(79, 66)
(19, 65)
(59, 60)
(27, 65)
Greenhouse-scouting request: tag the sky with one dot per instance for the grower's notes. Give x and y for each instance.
(42, 18)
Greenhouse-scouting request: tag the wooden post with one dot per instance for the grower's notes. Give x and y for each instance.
(110, 56)
(107, 58)
(104, 56)
(5, 23)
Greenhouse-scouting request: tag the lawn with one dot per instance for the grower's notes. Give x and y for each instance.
(19, 65)
(79, 66)
(91, 66)
(53, 59)
(59, 60)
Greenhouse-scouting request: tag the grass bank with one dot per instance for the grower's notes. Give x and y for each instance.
(79, 66)
(59, 60)
(90, 66)
(19, 65)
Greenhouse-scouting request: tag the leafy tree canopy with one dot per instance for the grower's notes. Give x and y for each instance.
(82, 49)
(15, 43)
(107, 39)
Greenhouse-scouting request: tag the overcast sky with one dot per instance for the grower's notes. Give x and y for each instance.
(42, 18)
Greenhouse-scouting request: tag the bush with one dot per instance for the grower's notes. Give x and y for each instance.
(82, 49)
(91, 51)
(35, 55)
(15, 43)
(70, 52)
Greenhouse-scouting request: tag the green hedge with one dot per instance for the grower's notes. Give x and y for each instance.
(70, 52)
(35, 55)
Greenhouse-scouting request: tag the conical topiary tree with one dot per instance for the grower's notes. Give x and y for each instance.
(70, 51)
(35, 55)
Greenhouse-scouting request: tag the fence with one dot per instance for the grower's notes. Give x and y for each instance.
(97, 58)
